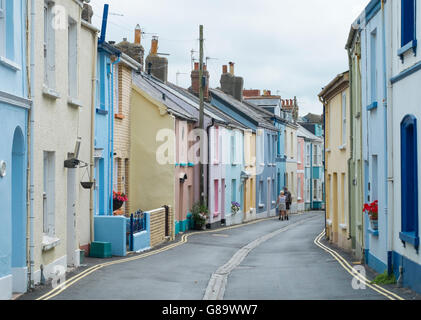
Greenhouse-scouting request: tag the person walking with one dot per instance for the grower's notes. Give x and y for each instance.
(288, 201)
(281, 205)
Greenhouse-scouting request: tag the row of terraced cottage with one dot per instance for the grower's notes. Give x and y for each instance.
(372, 164)
(90, 123)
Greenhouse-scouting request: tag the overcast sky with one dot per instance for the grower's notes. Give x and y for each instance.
(291, 47)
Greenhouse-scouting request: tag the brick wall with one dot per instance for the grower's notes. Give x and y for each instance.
(123, 82)
(157, 227)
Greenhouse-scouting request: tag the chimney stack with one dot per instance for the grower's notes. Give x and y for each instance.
(195, 81)
(137, 35)
(87, 13)
(133, 50)
(158, 66)
(231, 84)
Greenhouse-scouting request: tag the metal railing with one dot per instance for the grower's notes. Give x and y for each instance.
(135, 224)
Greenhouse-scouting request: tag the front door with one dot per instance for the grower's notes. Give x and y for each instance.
(223, 188)
(269, 204)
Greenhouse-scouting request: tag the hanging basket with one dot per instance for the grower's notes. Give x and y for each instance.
(117, 204)
(87, 185)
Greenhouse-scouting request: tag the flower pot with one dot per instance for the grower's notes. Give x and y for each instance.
(117, 204)
(374, 224)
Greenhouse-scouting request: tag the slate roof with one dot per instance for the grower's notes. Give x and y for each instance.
(245, 108)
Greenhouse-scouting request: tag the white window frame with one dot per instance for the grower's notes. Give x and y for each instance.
(73, 90)
(308, 155)
(299, 188)
(308, 189)
(49, 194)
(299, 152)
(49, 46)
(115, 178)
(233, 148)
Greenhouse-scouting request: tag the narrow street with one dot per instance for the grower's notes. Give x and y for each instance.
(284, 264)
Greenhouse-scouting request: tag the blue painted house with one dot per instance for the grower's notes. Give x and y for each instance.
(404, 141)
(266, 140)
(14, 108)
(107, 56)
(374, 124)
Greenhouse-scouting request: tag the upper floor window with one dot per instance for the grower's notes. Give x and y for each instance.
(308, 155)
(408, 21)
(299, 152)
(49, 45)
(343, 118)
(7, 41)
(72, 59)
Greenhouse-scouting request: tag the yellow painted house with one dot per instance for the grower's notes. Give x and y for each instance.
(250, 170)
(151, 183)
(335, 98)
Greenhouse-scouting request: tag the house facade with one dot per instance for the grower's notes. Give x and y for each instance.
(403, 30)
(14, 128)
(291, 167)
(335, 98)
(300, 172)
(356, 192)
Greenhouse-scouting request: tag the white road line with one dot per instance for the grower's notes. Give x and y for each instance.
(218, 281)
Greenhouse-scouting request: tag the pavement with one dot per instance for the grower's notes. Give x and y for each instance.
(264, 260)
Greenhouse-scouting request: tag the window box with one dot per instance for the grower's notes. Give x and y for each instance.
(119, 116)
(101, 111)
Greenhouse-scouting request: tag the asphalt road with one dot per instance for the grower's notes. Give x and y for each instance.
(284, 264)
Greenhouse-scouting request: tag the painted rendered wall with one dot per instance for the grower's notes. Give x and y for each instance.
(336, 166)
(151, 183)
(55, 115)
(406, 101)
(291, 164)
(13, 151)
(300, 174)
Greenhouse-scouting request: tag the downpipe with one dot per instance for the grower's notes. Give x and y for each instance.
(325, 160)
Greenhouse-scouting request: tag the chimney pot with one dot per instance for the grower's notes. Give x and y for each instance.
(154, 45)
(231, 68)
(196, 66)
(137, 35)
(224, 69)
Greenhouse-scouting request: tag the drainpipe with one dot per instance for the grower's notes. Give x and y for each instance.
(351, 128)
(31, 148)
(111, 144)
(323, 101)
(92, 159)
(387, 96)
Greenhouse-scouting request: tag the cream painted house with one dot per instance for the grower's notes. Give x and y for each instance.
(335, 97)
(62, 97)
(290, 142)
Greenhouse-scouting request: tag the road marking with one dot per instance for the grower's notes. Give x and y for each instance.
(390, 295)
(68, 283)
(218, 281)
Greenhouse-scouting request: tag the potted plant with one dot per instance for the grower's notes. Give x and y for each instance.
(372, 209)
(118, 200)
(235, 207)
(199, 215)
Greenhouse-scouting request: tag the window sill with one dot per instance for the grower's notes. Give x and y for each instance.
(101, 111)
(74, 102)
(216, 214)
(273, 202)
(329, 222)
(262, 164)
(343, 226)
(119, 116)
(374, 233)
(372, 106)
(50, 93)
(261, 206)
(410, 45)
(9, 64)
(49, 243)
(410, 237)
(234, 164)
(342, 147)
